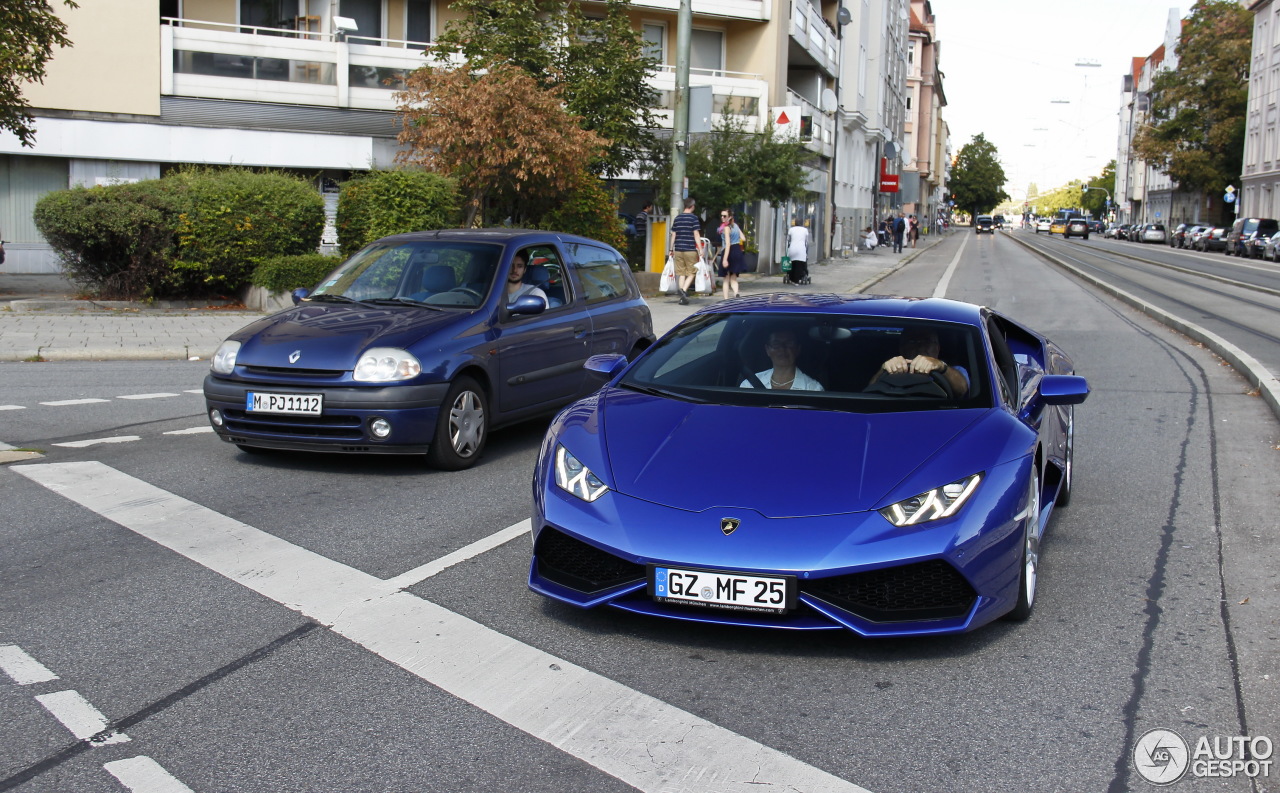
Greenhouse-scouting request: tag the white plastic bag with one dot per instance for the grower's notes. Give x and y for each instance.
(668, 280)
(702, 281)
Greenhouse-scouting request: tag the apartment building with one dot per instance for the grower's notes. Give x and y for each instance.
(923, 180)
(308, 85)
(1260, 183)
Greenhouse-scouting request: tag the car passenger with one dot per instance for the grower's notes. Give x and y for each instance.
(782, 349)
(516, 287)
(918, 352)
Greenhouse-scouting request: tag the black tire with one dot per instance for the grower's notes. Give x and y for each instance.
(1030, 558)
(462, 428)
(1068, 465)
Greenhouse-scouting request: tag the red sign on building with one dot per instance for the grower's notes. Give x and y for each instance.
(888, 181)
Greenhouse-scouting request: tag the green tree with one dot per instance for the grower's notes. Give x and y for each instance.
(1095, 201)
(1197, 119)
(729, 166)
(31, 30)
(977, 179)
(598, 63)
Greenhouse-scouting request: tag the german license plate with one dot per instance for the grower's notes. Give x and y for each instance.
(722, 590)
(296, 404)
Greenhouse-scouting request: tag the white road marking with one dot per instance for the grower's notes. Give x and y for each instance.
(194, 391)
(146, 396)
(96, 441)
(636, 738)
(22, 668)
(65, 402)
(143, 775)
(421, 573)
(191, 431)
(941, 289)
(77, 715)
(13, 407)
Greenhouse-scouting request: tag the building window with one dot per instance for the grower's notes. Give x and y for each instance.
(268, 13)
(706, 50)
(911, 52)
(368, 17)
(655, 39)
(417, 21)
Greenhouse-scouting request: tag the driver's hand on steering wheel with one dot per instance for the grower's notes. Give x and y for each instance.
(921, 364)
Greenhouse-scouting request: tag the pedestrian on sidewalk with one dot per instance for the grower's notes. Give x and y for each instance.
(899, 231)
(733, 260)
(683, 246)
(913, 230)
(798, 252)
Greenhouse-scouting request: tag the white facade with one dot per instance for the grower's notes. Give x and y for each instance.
(1260, 193)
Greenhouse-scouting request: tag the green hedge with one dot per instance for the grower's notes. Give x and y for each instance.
(588, 210)
(282, 274)
(115, 241)
(235, 220)
(380, 203)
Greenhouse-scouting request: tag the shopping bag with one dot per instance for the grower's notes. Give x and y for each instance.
(668, 280)
(786, 264)
(702, 281)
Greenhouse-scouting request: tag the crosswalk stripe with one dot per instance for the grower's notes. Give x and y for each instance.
(636, 738)
(419, 574)
(22, 668)
(83, 719)
(143, 775)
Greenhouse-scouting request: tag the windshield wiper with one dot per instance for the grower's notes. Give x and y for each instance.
(325, 297)
(403, 301)
(663, 392)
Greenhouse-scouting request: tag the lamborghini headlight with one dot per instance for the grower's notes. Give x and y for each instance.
(575, 478)
(385, 365)
(940, 502)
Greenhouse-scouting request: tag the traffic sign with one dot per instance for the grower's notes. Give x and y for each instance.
(1230, 197)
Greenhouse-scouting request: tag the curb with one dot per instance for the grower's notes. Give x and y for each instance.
(43, 355)
(1268, 384)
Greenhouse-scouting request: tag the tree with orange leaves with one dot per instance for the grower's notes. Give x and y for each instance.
(510, 144)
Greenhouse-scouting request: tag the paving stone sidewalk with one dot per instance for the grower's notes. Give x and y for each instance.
(49, 324)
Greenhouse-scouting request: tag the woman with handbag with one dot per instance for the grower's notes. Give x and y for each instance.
(733, 262)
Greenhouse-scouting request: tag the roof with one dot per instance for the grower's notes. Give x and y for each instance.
(938, 309)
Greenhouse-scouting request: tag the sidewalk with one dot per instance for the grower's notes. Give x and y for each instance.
(51, 325)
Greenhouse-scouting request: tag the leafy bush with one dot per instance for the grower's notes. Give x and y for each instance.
(116, 241)
(380, 203)
(588, 209)
(234, 219)
(281, 274)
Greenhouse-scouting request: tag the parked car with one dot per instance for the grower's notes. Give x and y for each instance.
(1241, 239)
(1215, 239)
(1153, 232)
(1114, 231)
(1043, 224)
(1271, 251)
(1096, 227)
(983, 223)
(411, 346)
(1076, 227)
(941, 532)
(1191, 235)
(1058, 226)
(1176, 235)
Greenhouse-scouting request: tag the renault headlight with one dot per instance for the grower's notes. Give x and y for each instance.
(386, 365)
(575, 478)
(940, 502)
(224, 360)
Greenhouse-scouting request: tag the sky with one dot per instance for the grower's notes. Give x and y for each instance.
(1008, 68)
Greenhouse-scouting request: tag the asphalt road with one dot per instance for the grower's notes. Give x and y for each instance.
(239, 666)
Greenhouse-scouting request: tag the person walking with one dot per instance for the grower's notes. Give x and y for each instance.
(798, 252)
(683, 246)
(913, 230)
(733, 260)
(899, 231)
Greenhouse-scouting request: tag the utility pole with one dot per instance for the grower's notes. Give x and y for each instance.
(680, 119)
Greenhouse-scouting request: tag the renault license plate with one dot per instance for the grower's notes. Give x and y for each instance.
(295, 404)
(721, 589)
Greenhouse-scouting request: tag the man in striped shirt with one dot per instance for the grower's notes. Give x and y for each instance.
(685, 241)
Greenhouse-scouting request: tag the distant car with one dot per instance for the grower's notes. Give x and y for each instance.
(1058, 226)
(924, 515)
(1271, 251)
(1190, 235)
(983, 223)
(1153, 232)
(1096, 227)
(1241, 238)
(1214, 239)
(999, 221)
(1044, 224)
(412, 346)
(1176, 235)
(1076, 227)
(1112, 231)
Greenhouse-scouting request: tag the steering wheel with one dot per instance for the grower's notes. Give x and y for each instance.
(912, 384)
(466, 290)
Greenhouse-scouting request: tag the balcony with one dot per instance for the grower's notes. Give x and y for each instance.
(728, 9)
(733, 93)
(211, 60)
(821, 132)
(811, 35)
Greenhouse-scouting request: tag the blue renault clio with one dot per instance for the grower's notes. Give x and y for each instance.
(422, 343)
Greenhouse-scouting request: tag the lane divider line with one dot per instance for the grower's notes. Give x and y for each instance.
(83, 720)
(191, 431)
(98, 441)
(941, 289)
(141, 774)
(13, 407)
(638, 739)
(22, 668)
(146, 396)
(421, 573)
(64, 402)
